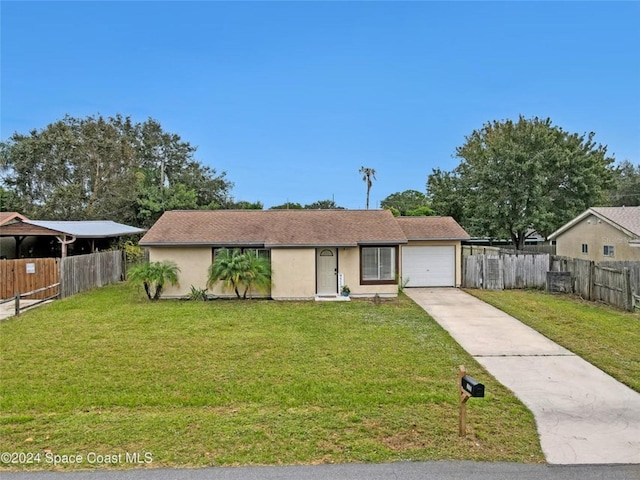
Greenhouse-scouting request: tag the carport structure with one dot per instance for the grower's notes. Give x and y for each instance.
(64, 232)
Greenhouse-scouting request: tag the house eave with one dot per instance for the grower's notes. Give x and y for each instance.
(439, 239)
(203, 244)
(270, 245)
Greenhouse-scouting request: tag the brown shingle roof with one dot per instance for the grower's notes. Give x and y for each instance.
(432, 228)
(626, 217)
(274, 228)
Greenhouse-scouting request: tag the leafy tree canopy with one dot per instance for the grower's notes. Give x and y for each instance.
(106, 168)
(515, 177)
(244, 205)
(406, 201)
(323, 205)
(318, 205)
(626, 189)
(287, 206)
(420, 212)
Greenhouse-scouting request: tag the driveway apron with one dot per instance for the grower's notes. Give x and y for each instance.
(583, 415)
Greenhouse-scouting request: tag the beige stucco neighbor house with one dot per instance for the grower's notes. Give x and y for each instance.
(313, 252)
(601, 234)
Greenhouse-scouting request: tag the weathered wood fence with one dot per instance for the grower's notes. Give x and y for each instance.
(614, 283)
(75, 274)
(83, 272)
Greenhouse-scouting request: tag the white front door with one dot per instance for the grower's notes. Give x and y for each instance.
(327, 271)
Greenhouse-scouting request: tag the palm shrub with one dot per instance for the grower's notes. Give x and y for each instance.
(153, 276)
(237, 271)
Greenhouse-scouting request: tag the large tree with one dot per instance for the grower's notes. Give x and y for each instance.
(106, 168)
(323, 205)
(406, 202)
(626, 189)
(317, 205)
(516, 177)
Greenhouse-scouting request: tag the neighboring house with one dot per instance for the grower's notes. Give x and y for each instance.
(601, 234)
(43, 238)
(313, 252)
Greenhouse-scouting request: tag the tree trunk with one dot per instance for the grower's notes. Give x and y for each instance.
(156, 296)
(146, 289)
(517, 238)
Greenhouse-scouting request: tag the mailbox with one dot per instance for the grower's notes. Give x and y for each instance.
(472, 386)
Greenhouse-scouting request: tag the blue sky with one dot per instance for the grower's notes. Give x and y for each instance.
(291, 98)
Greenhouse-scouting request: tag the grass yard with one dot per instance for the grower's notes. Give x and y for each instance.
(606, 337)
(244, 382)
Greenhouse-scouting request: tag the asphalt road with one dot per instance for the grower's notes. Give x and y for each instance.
(385, 471)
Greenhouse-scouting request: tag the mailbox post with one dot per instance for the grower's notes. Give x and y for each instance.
(469, 387)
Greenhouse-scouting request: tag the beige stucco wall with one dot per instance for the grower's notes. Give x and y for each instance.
(596, 234)
(438, 243)
(293, 273)
(193, 263)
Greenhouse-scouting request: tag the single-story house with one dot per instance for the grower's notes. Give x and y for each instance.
(313, 252)
(45, 238)
(601, 234)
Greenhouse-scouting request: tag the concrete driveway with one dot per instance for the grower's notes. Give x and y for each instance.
(583, 415)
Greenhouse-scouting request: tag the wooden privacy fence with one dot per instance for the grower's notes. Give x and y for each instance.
(27, 275)
(83, 272)
(498, 272)
(614, 283)
(74, 274)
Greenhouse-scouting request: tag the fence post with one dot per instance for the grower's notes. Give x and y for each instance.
(17, 303)
(62, 286)
(626, 289)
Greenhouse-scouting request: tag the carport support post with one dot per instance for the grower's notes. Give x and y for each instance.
(464, 396)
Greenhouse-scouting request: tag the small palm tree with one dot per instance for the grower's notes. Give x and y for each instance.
(367, 174)
(153, 276)
(236, 270)
(257, 273)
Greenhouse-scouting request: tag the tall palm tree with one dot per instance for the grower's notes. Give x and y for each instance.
(236, 270)
(153, 276)
(367, 174)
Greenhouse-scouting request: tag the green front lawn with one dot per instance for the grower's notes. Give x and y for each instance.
(605, 337)
(245, 382)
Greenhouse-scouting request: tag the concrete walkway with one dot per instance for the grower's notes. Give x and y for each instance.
(583, 415)
(8, 309)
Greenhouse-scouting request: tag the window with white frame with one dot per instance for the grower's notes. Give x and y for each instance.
(259, 252)
(378, 264)
(585, 249)
(608, 251)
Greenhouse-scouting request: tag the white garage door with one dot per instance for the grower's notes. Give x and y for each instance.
(429, 266)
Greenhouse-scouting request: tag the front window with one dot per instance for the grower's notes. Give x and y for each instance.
(608, 251)
(259, 252)
(378, 265)
(585, 248)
